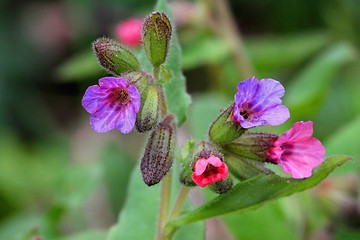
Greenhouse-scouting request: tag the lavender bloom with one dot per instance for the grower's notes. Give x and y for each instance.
(259, 102)
(112, 104)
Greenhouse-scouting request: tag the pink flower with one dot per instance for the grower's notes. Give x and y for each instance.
(208, 171)
(129, 32)
(297, 151)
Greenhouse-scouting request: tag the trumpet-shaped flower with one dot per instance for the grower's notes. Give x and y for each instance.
(112, 104)
(297, 151)
(208, 171)
(259, 102)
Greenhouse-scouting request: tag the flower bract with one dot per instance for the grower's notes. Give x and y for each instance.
(297, 151)
(112, 104)
(259, 102)
(208, 171)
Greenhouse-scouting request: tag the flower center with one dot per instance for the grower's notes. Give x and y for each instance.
(210, 170)
(245, 114)
(121, 95)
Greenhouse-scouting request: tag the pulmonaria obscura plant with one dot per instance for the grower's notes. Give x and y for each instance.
(148, 93)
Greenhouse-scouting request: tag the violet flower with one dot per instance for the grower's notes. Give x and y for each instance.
(208, 171)
(297, 151)
(112, 104)
(259, 102)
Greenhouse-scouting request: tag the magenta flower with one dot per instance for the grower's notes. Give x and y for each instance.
(129, 32)
(297, 151)
(208, 171)
(259, 102)
(112, 104)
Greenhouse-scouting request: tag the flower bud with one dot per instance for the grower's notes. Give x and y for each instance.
(208, 165)
(159, 151)
(243, 168)
(139, 79)
(148, 115)
(224, 129)
(156, 37)
(222, 186)
(185, 176)
(251, 146)
(113, 57)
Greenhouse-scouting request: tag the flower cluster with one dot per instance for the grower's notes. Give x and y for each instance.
(134, 98)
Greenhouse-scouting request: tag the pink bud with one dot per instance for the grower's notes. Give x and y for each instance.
(129, 32)
(208, 171)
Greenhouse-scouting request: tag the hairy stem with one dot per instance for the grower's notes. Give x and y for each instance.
(164, 204)
(179, 202)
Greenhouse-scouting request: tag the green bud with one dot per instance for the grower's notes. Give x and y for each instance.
(156, 37)
(251, 145)
(224, 129)
(185, 176)
(139, 79)
(222, 186)
(114, 57)
(159, 152)
(243, 168)
(148, 114)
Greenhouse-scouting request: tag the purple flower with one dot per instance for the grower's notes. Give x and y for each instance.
(259, 102)
(112, 104)
(297, 151)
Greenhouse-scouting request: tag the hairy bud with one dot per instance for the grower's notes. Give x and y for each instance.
(156, 37)
(251, 146)
(222, 186)
(224, 129)
(114, 57)
(159, 151)
(148, 114)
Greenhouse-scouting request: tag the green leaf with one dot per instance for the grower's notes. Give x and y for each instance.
(305, 94)
(177, 99)
(256, 191)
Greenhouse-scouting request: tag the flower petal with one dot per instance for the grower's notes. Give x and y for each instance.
(276, 115)
(94, 98)
(126, 120)
(300, 130)
(268, 95)
(135, 98)
(246, 91)
(112, 82)
(215, 161)
(200, 166)
(105, 118)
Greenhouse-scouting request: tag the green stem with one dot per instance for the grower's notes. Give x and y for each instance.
(164, 204)
(156, 73)
(179, 202)
(162, 102)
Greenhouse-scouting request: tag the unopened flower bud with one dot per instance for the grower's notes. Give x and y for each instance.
(139, 79)
(156, 37)
(185, 176)
(222, 186)
(251, 146)
(224, 129)
(148, 115)
(114, 57)
(159, 151)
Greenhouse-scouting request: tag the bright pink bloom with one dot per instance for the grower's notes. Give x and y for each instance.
(208, 171)
(297, 151)
(129, 32)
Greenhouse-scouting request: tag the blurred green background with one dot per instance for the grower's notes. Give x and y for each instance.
(61, 180)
